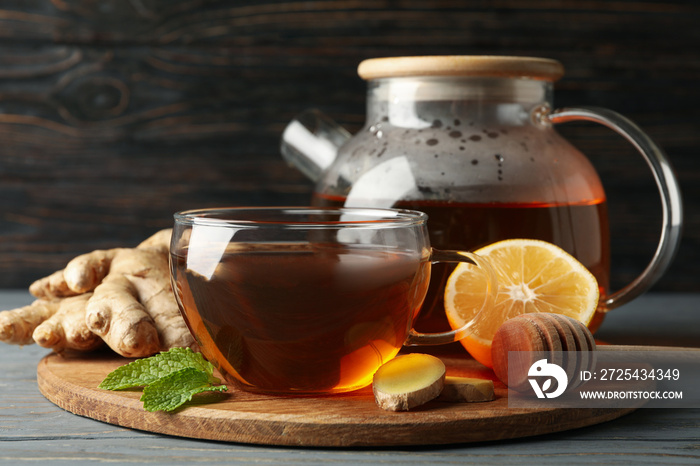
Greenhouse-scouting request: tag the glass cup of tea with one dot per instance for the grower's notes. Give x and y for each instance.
(301, 300)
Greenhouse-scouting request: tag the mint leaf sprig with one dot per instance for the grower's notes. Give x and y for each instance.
(170, 378)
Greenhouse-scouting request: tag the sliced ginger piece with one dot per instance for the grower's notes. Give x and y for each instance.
(466, 390)
(408, 381)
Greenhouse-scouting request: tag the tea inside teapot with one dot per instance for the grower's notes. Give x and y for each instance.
(468, 140)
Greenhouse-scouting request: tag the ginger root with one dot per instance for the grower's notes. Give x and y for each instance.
(123, 295)
(116, 315)
(408, 381)
(17, 325)
(137, 291)
(66, 329)
(81, 275)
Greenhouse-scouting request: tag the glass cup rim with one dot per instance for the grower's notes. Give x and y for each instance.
(364, 217)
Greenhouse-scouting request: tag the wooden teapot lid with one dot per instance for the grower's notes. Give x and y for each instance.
(462, 65)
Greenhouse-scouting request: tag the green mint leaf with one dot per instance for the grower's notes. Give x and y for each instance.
(145, 371)
(173, 390)
(170, 378)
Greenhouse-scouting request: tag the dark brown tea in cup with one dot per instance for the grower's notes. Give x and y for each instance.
(300, 317)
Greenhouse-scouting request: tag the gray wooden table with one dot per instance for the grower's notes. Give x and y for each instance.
(34, 430)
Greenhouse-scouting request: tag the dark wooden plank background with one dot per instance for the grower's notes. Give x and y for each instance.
(115, 113)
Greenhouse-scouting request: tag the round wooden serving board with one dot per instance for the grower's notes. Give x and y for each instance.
(351, 419)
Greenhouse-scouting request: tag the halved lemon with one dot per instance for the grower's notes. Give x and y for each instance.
(533, 276)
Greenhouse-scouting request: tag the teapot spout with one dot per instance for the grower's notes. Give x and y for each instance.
(310, 142)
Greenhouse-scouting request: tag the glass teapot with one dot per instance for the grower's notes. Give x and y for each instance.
(469, 140)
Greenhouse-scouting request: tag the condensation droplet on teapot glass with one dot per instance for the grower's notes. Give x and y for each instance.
(437, 124)
(475, 162)
(432, 142)
(457, 122)
(455, 134)
(475, 138)
(500, 160)
(376, 130)
(422, 188)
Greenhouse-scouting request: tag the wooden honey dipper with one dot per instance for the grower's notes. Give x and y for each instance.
(565, 341)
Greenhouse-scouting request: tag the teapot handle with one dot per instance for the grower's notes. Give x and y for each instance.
(671, 202)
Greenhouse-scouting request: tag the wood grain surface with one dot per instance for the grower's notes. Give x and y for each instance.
(347, 420)
(35, 431)
(114, 114)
